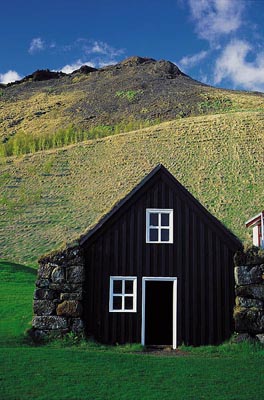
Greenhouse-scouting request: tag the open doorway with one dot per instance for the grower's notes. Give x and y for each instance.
(159, 311)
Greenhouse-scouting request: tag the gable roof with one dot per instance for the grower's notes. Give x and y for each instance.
(255, 220)
(159, 169)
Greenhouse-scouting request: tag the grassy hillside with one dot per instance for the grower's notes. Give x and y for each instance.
(51, 197)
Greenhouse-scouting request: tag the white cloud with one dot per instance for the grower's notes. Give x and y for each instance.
(98, 53)
(9, 76)
(215, 18)
(37, 44)
(190, 61)
(104, 63)
(69, 68)
(95, 63)
(232, 64)
(100, 47)
(91, 47)
(204, 79)
(103, 48)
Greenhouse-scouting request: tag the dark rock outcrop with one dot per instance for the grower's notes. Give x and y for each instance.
(136, 60)
(84, 69)
(44, 75)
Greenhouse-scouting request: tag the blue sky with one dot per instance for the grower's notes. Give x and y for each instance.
(219, 42)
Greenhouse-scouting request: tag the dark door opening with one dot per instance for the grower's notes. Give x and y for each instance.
(158, 313)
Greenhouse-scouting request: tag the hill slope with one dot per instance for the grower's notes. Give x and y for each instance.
(53, 196)
(136, 89)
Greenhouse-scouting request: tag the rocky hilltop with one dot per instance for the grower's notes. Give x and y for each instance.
(135, 89)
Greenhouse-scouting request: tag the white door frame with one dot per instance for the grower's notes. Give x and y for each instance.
(174, 306)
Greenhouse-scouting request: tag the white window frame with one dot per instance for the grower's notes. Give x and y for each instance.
(256, 235)
(123, 295)
(262, 230)
(159, 211)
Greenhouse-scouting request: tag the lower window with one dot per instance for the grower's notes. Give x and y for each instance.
(123, 294)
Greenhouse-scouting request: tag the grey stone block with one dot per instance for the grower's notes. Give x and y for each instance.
(71, 296)
(42, 283)
(58, 275)
(45, 294)
(248, 320)
(66, 287)
(45, 270)
(49, 322)
(246, 275)
(44, 307)
(251, 291)
(75, 274)
(245, 302)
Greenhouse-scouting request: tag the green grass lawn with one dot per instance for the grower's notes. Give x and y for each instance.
(16, 295)
(61, 370)
(72, 373)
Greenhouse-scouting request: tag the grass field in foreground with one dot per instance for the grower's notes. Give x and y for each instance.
(45, 373)
(61, 370)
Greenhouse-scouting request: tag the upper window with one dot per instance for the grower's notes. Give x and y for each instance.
(123, 294)
(159, 225)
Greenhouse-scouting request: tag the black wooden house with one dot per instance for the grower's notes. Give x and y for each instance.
(159, 269)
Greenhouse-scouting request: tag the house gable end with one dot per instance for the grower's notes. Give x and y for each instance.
(199, 256)
(160, 173)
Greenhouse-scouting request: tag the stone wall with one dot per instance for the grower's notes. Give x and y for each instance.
(58, 296)
(249, 290)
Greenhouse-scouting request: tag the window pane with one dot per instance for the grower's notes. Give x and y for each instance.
(154, 219)
(165, 219)
(165, 235)
(129, 287)
(153, 235)
(117, 287)
(129, 303)
(117, 302)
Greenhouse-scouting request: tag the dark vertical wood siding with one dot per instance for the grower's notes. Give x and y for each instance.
(201, 257)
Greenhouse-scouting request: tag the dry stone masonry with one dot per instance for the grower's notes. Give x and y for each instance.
(249, 290)
(59, 294)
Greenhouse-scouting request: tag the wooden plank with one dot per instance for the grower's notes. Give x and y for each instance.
(176, 264)
(210, 304)
(187, 313)
(203, 286)
(195, 282)
(218, 289)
